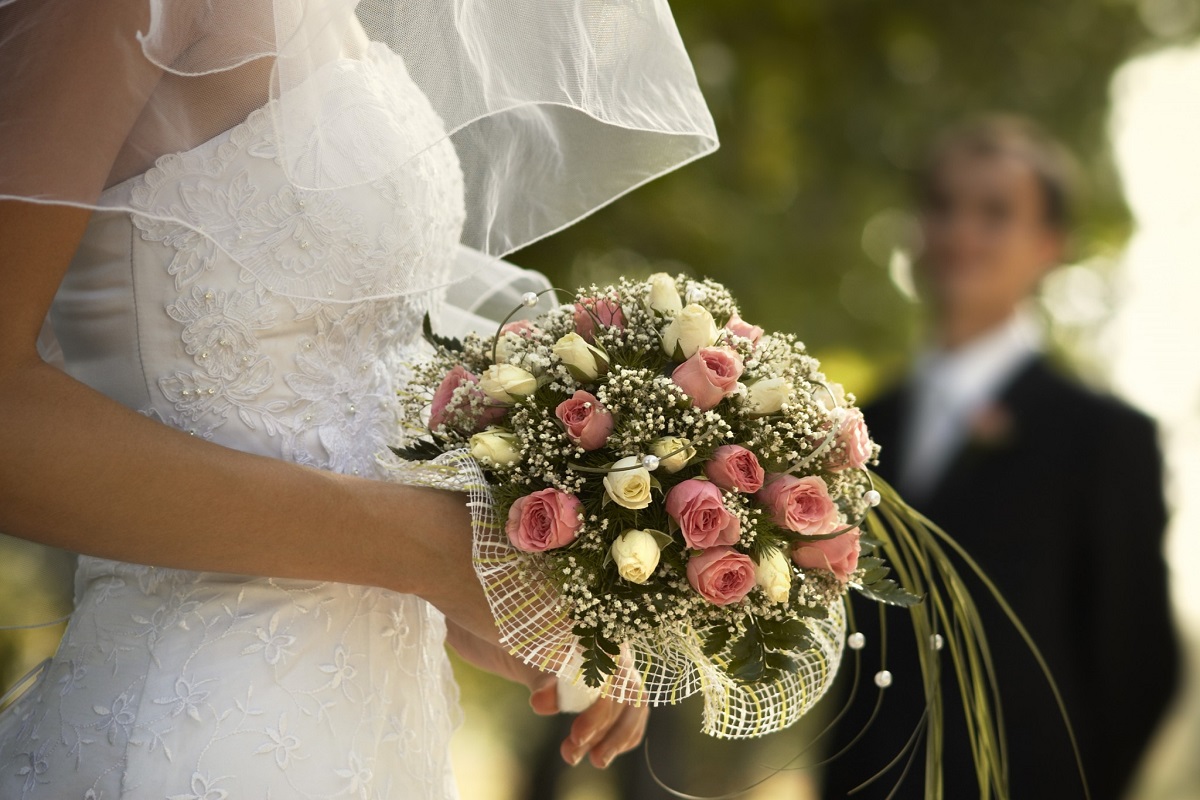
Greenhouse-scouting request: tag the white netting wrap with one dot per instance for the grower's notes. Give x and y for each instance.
(535, 625)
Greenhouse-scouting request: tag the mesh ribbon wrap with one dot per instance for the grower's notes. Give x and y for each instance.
(535, 626)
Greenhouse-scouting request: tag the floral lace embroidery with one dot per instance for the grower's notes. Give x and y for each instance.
(340, 691)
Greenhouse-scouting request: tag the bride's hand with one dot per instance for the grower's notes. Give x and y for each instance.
(604, 731)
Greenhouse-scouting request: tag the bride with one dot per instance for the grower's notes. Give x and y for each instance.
(221, 223)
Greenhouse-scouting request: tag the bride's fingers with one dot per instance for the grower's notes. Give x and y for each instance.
(589, 728)
(544, 699)
(625, 734)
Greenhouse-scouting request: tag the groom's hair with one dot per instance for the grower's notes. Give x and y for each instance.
(994, 135)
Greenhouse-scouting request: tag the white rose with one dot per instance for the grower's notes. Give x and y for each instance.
(583, 360)
(670, 460)
(833, 399)
(495, 445)
(692, 328)
(628, 487)
(507, 344)
(773, 574)
(636, 555)
(768, 395)
(664, 296)
(504, 382)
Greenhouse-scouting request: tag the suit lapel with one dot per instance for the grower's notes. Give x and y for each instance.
(993, 433)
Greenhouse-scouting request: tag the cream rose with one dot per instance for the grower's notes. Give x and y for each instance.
(504, 382)
(664, 296)
(496, 446)
(628, 487)
(583, 360)
(773, 574)
(692, 328)
(674, 452)
(636, 554)
(768, 395)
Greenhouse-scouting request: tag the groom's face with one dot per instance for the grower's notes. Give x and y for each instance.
(988, 241)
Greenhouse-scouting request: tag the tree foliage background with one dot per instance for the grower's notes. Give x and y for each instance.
(824, 108)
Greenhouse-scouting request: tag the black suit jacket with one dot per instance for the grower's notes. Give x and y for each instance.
(1058, 495)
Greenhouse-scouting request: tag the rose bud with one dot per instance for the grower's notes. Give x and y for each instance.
(767, 396)
(587, 422)
(735, 469)
(739, 327)
(504, 383)
(709, 376)
(590, 309)
(664, 295)
(691, 329)
(585, 362)
(495, 446)
(853, 446)
(721, 575)
(773, 574)
(545, 520)
(838, 555)
(802, 505)
(628, 487)
(702, 516)
(673, 452)
(636, 555)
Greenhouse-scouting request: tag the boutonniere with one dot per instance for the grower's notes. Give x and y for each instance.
(992, 426)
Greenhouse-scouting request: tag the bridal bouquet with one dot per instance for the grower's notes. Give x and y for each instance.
(667, 498)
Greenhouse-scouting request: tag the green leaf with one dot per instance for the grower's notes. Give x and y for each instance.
(716, 639)
(419, 450)
(788, 635)
(781, 662)
(598, 664)
(888, 591)
(443, 342)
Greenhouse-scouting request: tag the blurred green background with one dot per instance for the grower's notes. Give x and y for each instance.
(823, 108)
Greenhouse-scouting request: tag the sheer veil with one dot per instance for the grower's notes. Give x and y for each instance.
(554, 107)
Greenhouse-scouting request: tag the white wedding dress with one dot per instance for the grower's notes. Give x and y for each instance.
(201, 686)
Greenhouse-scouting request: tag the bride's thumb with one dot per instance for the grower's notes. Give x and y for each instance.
(544, 698)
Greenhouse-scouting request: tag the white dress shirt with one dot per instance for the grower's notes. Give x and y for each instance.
(947, 388)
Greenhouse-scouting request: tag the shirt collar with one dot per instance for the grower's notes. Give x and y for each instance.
(977, 371)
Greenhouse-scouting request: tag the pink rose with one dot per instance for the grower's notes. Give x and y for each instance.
(853, 446)
(521, 327)
(735, 469)
(721, 575)
(802, 505)
(709, 376)
(588, 423)
(739, 327)
(604, 309)
(543, 520)
(445, 404)
(838, 555)
(701, 513)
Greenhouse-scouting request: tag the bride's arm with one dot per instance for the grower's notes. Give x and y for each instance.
(81, 472)
(78, 470)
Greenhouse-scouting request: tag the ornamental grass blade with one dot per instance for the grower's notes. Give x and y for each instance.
(921, 553)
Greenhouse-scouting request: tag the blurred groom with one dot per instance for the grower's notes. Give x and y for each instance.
(1055, 489)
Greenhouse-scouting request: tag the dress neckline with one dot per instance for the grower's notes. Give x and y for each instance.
(127, 184)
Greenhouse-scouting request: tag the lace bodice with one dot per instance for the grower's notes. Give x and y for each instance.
(186, 334)
(194, 686)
